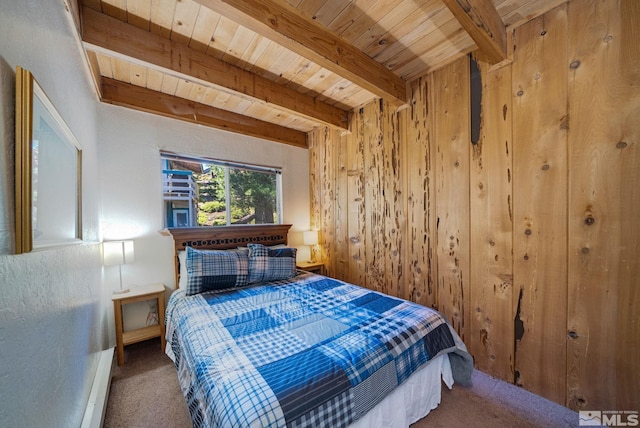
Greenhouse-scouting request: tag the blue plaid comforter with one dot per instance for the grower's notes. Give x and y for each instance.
(306, 352)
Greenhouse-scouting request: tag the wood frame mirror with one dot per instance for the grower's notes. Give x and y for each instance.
(48, 182)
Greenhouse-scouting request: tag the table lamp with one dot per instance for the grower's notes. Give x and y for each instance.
(310, 238)
(118, 253)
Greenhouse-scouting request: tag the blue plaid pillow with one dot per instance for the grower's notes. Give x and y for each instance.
(267, 264)
(216, 270)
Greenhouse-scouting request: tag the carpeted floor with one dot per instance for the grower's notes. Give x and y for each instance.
(145, 393)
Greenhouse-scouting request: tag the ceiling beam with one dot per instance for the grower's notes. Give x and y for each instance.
(287, 26)
(113, 37)
(150, 101)
(482, 22)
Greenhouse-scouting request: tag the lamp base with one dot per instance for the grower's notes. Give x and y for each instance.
(121, 291)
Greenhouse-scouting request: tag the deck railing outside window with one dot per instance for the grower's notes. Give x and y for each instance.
(179, 186)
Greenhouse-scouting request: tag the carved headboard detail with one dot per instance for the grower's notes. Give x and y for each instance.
(226, 237)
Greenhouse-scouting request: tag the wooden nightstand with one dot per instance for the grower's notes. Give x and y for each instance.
(138, 294)
(315, 267)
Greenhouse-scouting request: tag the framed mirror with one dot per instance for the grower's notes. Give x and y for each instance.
(48, 172)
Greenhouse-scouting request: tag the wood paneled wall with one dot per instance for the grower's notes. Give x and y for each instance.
(539, 76)
(529, 240)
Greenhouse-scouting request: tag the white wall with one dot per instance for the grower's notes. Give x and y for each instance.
(130, 168)
(55, 308)
(52, 316)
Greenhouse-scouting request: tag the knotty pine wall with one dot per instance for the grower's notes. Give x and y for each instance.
(529, 241)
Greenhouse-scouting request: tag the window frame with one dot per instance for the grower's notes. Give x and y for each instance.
(227, 165)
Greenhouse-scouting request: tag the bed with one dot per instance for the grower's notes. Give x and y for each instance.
(257, 342)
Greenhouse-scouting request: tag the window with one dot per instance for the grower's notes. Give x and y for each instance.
(209, 192)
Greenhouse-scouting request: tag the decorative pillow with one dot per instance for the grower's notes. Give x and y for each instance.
(216, 270)
(266, 264)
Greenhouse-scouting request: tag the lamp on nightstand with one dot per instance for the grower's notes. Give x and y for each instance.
(310, 238)
(118, 253)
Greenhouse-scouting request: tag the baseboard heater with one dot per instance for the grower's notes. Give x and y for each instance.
(97, 404)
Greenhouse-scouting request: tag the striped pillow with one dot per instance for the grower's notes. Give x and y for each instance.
(266, 264)
(216, 270)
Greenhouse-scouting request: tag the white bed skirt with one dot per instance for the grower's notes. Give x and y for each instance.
(412, 400)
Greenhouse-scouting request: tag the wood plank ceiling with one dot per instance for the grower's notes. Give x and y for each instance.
(275, 69)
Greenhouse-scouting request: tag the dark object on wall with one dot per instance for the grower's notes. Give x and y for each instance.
(475, 83)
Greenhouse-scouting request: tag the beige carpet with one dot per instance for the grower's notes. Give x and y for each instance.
(145, 393)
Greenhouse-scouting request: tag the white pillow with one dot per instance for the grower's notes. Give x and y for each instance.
(182, 259)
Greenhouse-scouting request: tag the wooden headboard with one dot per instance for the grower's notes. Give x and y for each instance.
(226, 237)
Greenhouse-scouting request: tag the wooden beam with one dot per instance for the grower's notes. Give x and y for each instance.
(138, 98)
(94, 70)
(481, 21)
(285, 25)
(103, 33)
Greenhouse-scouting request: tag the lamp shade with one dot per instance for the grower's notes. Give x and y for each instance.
(117, 252)
(310, 237)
